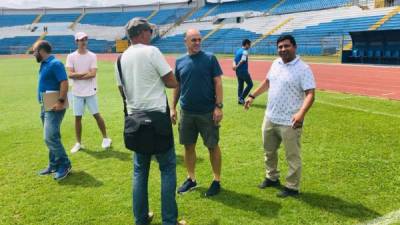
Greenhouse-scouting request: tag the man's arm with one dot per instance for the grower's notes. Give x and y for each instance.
(298, 118)
(263, 87)
(242, 60)
(89, 75)
(169, 80)
(73, 75)
(175, 99)
(217, 116)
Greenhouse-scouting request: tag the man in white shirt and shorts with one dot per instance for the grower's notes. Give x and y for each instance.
(82, 68)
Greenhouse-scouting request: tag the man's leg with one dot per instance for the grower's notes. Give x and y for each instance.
(52, 125)
(78, 129)
(93, 106)
(271, 142)
(79, 108)
(216, 159)
(167, 165)
(240, 87)
(292, 142)
(190, 160)
(101, 124)
(141, 165)
(249, 86)
(188, 137)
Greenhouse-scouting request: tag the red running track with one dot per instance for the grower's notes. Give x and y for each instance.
(377, 81)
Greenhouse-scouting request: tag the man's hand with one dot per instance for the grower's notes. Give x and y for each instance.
(217, 115)
(58, 106)
(234, 67)
(248, 103)
(297, 120)
(174, 116)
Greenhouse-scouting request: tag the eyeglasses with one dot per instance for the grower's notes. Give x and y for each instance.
(195, 40)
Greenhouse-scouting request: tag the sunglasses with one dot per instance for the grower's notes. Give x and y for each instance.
(83, 39)
(195, 40)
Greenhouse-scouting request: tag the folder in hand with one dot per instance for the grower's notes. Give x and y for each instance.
(50, 98)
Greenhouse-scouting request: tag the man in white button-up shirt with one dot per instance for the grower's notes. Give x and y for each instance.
(290, 84)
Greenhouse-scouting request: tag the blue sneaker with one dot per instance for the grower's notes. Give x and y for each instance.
(62, 173)
(187, 186)
(47, 171)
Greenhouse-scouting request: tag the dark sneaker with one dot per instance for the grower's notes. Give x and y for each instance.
(286, 192)
(269, 183)
(188, 185)
(241, 101)
(62, 173)
(47, 171)
(214, 189)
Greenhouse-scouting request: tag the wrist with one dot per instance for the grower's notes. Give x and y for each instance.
(61, 100)
(219, 105)
(252, 96)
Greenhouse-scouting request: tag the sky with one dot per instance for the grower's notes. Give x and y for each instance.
(29, 4)
(24, 4)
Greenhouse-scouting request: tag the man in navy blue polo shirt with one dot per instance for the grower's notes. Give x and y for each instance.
(241, 66)
(200, 92)
(52, 77)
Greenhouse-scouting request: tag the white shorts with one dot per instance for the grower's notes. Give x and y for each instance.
(80, 102)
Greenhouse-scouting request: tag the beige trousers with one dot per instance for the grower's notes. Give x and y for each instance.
(273, 136)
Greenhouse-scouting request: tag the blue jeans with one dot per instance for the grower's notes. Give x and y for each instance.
(243, 77)
(51, 121)
(167, 165)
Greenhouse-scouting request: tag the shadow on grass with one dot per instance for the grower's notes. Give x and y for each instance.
(81, 178)
(109, 153)
(258, 106)
(338, 206)
(243, 202)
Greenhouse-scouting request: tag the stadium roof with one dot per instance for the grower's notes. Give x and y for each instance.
(32, 4)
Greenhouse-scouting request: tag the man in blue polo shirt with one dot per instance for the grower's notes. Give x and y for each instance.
(200, 92)
(241, 66)
(52, 77)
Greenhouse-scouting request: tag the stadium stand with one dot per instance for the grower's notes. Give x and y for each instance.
(54, 18)
(291, 6)
(15, 20)
(321, 27)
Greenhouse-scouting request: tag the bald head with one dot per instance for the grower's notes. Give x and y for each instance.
(193, 41)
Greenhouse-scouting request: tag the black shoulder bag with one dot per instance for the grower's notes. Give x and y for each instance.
(146, 132)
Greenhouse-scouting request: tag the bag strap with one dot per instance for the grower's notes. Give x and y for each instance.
(122, 84)
(123, 88)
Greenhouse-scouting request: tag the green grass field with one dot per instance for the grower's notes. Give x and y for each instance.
(351, 155)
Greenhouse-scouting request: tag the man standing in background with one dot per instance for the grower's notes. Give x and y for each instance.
(82, 69)
(241, 66)
(52, 78)
(200, 96)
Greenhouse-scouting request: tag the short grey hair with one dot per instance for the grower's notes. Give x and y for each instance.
(136, 26)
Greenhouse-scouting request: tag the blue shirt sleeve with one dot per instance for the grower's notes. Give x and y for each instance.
(59, 71)
(216, 68)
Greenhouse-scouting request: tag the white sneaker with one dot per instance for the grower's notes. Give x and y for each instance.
(76, 148)
(106, 143)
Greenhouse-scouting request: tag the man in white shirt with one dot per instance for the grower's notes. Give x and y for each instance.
(291, 94)
(82, 69)
(145, 75)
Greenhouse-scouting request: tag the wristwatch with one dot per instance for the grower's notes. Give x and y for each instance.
(61, 100)
(219, 105)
